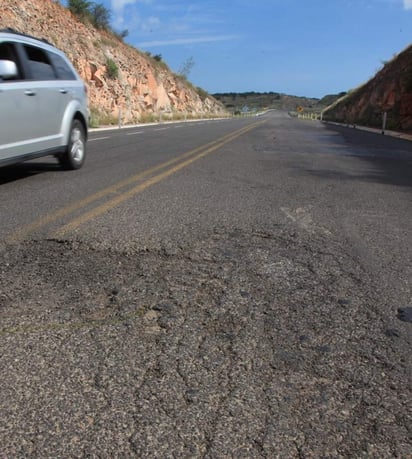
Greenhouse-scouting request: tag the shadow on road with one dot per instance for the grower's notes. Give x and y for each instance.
(371, 144)
(384, 171)
(24, 170)
(389, 160)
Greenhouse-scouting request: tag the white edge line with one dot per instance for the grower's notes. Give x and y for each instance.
(98, 138)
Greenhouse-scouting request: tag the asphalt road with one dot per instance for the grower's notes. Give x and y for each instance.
(234, 288)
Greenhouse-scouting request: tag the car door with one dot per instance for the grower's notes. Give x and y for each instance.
(51, 98)
(17, 109)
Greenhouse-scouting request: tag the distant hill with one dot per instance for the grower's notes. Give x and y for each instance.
(256, 101)
(390, 90)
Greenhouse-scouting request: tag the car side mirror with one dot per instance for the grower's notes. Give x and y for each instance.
(8, 69)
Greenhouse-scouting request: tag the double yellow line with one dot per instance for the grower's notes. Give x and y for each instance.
(152, 176)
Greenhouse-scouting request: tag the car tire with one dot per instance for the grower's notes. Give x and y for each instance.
(75, 154)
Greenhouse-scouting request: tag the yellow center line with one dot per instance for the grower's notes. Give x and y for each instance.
(19, 234)
(99, 210)
(45, 220)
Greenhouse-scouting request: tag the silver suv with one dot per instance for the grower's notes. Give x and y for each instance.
(43, 103)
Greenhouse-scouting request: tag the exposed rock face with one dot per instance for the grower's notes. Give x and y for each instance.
(142, 86)
(389, 91)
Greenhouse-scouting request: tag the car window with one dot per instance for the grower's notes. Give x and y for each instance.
(39, 64)
(64, 72)
(8, 52)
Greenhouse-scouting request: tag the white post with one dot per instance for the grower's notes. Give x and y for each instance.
(385, 115)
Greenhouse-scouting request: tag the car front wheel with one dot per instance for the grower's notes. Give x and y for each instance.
(75, 153)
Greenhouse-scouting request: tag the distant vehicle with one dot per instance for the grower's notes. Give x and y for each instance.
(43, 103)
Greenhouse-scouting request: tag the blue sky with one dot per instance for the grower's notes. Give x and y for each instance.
(300, 47)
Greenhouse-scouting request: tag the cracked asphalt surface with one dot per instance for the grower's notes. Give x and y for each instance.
(268, 338)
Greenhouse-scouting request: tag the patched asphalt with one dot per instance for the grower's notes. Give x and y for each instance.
(261, 343)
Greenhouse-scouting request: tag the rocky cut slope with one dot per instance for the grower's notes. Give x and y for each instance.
(139, 89)
(390, 91)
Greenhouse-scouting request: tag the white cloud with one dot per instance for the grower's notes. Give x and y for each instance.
(118, 8)
(187, 41)
(407, 4)
(169, 22)
(118, 5)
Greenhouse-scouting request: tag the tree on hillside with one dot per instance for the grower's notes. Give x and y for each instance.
(99, 16)
(186, 67)
(80, 8)
(95, 13)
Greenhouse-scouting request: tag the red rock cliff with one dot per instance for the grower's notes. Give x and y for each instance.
(390, 90)
(143, 87)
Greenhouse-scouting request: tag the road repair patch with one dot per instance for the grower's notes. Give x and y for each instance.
(252, 343)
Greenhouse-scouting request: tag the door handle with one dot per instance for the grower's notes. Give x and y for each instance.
(63, 91)
(30, 92)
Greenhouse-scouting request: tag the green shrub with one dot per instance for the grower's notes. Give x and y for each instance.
(202, 93)
(112, 70)
(121, 35)
(100, 16)
(92, 13)
(80, 8)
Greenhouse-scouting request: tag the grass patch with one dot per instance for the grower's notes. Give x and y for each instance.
(100, 118)
(149, 118)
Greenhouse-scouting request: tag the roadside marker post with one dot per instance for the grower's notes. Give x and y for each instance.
(384, 117)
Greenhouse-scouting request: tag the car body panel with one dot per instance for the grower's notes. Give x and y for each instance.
(39, 103)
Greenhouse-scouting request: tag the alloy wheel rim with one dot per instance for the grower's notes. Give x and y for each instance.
(77, 149)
